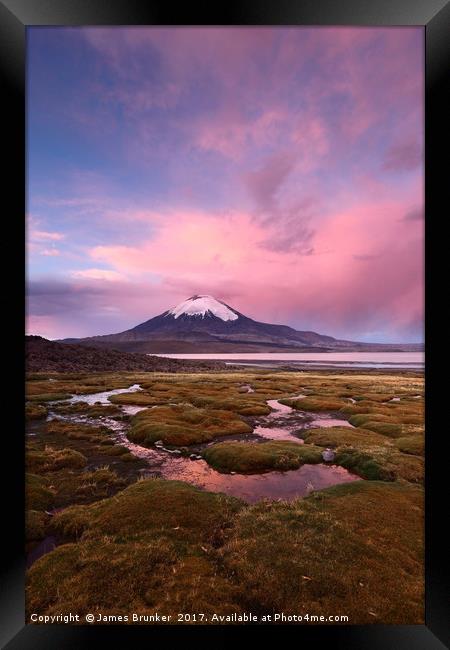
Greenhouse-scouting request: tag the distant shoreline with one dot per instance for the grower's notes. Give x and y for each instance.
(336, 360)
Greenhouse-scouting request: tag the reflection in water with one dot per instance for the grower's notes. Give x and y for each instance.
(132, 410)
(254, 487)
(319, 420)
(251, 488)
(398, 360)
(278, 409)
(103, 398)
(276, 433)
(326, 421)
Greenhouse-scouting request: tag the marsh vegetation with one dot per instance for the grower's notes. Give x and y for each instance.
(129, 538)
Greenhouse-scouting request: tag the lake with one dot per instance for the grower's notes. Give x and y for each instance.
(388, 360)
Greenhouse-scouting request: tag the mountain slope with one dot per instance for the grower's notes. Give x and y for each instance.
(203, 324)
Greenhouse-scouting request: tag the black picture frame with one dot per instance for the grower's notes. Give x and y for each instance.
(15, 17)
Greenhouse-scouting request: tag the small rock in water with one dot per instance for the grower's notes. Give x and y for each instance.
(193, 456)
(159, 443)
(176, 452)
(328, 455)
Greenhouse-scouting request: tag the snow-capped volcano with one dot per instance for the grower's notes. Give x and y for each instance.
(203, 306)
(205, 324)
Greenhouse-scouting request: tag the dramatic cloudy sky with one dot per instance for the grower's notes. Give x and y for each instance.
(278, 169)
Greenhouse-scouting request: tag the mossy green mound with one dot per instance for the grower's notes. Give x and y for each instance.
(364, 464)
(411, 445)
(136, 399)
(360, 419)
(168, 546)
(252, 457)
(152, 507)
(142, 576)
(237, 405)
(381, 463)
(385, 428)
(360, 544)
(313, 404)
(344, 436)
(184, 424)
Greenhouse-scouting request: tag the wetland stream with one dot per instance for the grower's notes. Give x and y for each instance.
(283, 423)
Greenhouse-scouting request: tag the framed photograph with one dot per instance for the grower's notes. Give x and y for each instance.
(225, 371)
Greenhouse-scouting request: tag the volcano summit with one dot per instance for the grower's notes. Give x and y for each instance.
(203, 306)
(203, 324)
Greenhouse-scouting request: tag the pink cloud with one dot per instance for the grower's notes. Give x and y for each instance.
(42, 235)
(38, 240)
(49, 252)
(47, 326)
(265, 182)
(268, 164)
(367, 271)
(98, 274)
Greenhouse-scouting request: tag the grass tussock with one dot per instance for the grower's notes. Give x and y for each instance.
(38, 495)
(35, 411)
(56, 426)
(88, 410)
(35, 525)
(52, 460)
(48, 397)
